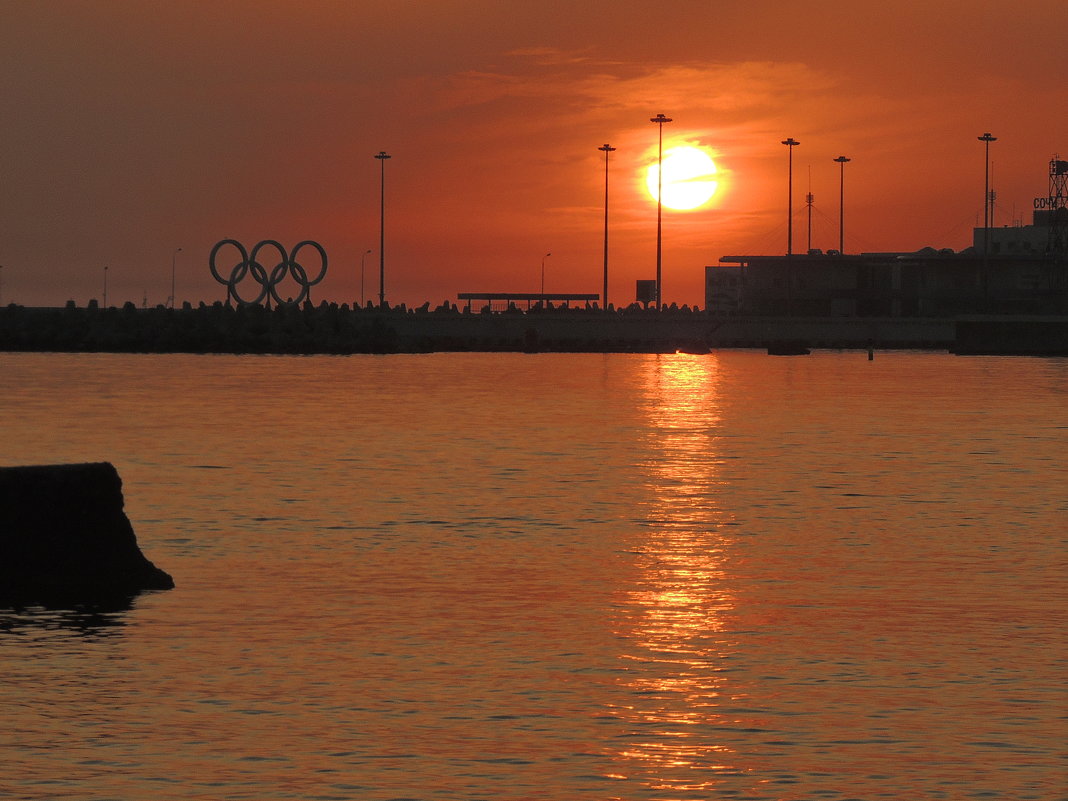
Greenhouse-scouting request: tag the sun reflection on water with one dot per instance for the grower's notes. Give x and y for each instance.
(673, 620)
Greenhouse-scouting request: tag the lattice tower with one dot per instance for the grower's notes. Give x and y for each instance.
(1058, 208)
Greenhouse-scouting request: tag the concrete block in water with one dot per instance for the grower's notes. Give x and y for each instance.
(65, 536)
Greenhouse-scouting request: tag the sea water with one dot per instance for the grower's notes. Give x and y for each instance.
(554, 576)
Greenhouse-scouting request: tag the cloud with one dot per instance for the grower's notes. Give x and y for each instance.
(553, 56)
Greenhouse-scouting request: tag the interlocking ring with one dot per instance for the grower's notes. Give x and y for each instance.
(268, 281)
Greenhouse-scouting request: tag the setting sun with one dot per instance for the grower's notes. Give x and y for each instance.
(689, 178)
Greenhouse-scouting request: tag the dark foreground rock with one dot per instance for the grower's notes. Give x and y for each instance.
(65, 537)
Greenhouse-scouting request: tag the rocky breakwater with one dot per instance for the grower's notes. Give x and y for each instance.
(64, 536)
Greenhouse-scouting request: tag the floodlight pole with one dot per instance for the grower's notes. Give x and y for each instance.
(986, 139)
(790, 143)
(607, 149)
(841, 204)
(659, 119)
(363, 256)
(382, 156)
(174, 256)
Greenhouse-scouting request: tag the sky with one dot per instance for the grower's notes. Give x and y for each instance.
(132, 128)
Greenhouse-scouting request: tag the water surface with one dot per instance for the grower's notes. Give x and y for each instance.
(554, 576)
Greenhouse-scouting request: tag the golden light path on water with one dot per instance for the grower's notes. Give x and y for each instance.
(674, 669)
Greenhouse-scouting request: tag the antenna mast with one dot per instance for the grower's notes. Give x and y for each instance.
(808, 202)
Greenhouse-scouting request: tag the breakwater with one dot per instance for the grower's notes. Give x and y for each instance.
(329, 328)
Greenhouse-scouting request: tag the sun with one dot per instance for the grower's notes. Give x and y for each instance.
(689, 178)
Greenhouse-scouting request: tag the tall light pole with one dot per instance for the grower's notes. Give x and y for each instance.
(105, 286)
(174, 256)
(841, 203)
(659, 119)
(607, 148)
(382, 156)
(790, 143)
(543, 258)
(986, 139)
(363, 256)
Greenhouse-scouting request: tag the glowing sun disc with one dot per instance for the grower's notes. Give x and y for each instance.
(689, 178)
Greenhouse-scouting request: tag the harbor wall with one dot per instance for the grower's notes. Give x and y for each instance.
(1011, 336)
(667, 332)
(332, 329)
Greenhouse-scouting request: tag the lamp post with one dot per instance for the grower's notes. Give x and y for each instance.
(841, 204)
(105, 286)
(174, 256)
(382, 156)
(659, 119)
(790, 143)
(607, 148)
(363, 256)
(986, 139)
(543, 258)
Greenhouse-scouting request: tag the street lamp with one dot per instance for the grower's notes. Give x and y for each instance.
(607, 148)
(105, 286)
(841, 204)
(543, 258)
(987, 205)
(986, 139)
(362, 257)
(173, 257)
(659, 119)
(790, 143)
(382, 156)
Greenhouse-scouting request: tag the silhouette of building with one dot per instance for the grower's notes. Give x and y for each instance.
(1025, 271)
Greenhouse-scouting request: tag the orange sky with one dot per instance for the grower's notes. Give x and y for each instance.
(130, 128)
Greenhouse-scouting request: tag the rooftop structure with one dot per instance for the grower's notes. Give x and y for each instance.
(505, 300)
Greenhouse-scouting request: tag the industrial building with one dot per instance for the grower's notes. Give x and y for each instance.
(1020, 269)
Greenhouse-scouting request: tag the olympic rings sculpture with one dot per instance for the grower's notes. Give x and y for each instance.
(250, 264)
